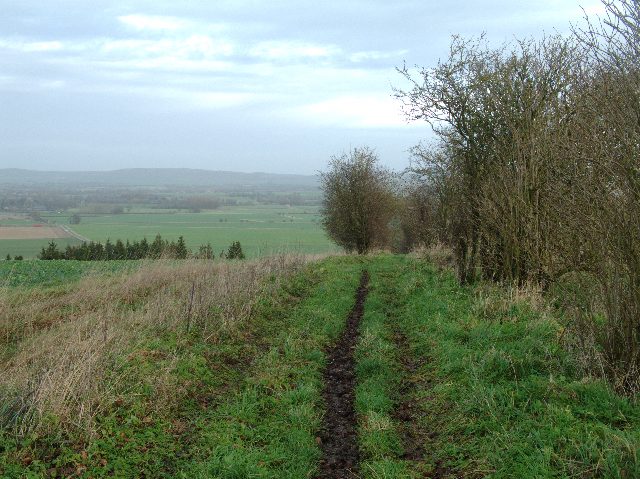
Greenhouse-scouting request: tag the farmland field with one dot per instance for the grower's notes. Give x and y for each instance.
(260, 229)
(29, 248)
(32, 232)
(53, 273)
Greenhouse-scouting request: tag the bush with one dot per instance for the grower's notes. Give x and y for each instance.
(235, 251)
(358, 201)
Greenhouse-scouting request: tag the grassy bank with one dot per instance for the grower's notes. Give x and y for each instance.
(33, 273)
(215, 370)
(494, 393)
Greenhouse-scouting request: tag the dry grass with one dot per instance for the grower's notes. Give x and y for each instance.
(505, 302)
(438, 254)
(60, 344)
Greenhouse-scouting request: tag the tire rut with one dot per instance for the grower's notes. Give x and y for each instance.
(339, 434)
(417, 441)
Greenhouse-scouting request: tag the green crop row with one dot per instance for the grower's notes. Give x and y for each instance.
(30, 273)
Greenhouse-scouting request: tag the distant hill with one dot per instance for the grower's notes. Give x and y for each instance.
(154, 177)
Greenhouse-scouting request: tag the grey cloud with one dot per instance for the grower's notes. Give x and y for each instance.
(276, 86)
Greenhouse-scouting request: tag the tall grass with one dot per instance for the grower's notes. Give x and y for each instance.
(60, 346)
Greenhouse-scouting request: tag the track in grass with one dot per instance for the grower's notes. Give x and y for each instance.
(339, 436)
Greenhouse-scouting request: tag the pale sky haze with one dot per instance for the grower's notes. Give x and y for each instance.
(241, 85)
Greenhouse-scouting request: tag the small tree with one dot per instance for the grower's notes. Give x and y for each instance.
(358, 201)
(51, 252)
(181, 251)
(75, 219)
(235, 251)
(205, 251)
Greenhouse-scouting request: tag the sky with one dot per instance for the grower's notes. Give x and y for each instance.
(242, 85)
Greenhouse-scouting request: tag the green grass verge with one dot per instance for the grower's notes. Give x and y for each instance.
(269, 428)
(506, 401)
(30, 273)
(378, 375)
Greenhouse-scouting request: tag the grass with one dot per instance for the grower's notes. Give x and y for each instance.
(261, 230)
(108, 377)
(378, 375)
(268, 429)
(506, 400)
(29, 248)
(195, 369)
(30, 273)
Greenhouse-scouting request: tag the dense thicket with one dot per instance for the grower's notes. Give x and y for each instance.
(535, 172)
(158, 248)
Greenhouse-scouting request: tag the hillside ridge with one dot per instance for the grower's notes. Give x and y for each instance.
(154, 177)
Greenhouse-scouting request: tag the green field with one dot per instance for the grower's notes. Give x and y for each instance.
(16, 221)
(29, 248)
(31, 273)
(261, 230)
(451, 381)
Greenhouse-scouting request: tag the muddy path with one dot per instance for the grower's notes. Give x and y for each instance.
(339, 434)
(413, 403)
(408, 409)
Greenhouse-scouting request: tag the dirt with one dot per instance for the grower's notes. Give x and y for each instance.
(32, 232)
(415, 439)
(407, 410)
(339, 437)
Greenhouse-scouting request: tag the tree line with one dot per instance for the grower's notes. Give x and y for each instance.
(159, 248)
(533, 176)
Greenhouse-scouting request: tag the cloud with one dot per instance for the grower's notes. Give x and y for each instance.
(153, 22)
(31, 46)
(376, 55)
(292, 50)
(192, 47)
(201, 99)
(356, 111)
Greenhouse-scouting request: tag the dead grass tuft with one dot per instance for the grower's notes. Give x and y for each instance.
(504, 303)
(60, 344)
(438, 254)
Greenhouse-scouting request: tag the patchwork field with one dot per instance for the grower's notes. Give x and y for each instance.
(261, 230)
(32, 232)
(26, 240)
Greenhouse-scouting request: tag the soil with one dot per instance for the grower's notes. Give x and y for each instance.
(339, 437)
(407, 410)
(32, 232)
(415, 439)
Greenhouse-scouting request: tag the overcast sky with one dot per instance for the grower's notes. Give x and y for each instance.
(242, 85)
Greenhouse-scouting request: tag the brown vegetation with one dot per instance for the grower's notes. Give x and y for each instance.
(32, 232)
(534, 176)
(59, 345)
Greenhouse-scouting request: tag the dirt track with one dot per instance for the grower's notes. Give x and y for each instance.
(339, 437)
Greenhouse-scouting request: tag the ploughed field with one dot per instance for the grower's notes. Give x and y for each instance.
(283, 367)
(261, 230)
(35, 231)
